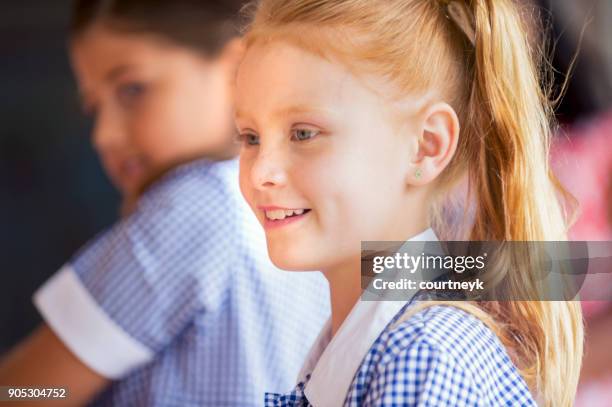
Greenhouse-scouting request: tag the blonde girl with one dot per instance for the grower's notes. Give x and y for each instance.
(357, 118)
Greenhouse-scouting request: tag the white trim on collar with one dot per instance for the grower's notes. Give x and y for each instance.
(333, 363)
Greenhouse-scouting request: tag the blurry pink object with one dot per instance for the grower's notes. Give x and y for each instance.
(595, 393)
(583, 163)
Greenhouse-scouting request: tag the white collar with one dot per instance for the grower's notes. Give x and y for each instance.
(333, 363)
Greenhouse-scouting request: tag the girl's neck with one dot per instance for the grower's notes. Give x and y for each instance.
(345, 283)
(344, 289)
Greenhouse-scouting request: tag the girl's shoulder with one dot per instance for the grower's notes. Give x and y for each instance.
(195, 205)
(188, 183)
(443, 349)
(446, 327)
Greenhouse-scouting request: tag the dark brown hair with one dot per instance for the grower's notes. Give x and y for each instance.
(202, 25)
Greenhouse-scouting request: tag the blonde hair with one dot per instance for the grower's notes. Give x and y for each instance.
(493, 78)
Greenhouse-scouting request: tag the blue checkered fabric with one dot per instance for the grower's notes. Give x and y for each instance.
(187, 275)
(441, 356)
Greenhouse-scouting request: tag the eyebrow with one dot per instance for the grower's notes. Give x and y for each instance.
(116, 71)
(298, 109)
(289, 110)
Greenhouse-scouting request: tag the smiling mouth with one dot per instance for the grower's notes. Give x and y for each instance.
(275, 215)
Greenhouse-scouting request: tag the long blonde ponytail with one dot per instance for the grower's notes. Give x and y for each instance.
(509, 117)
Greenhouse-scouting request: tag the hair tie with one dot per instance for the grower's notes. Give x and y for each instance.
(457, 11)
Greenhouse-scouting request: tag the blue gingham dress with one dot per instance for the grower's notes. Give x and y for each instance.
(188, 278)
(441, 356)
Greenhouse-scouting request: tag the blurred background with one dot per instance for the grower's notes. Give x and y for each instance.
(54, 195)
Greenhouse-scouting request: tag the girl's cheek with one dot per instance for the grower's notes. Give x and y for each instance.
(313, 177)
(245, 179)
(155, 135)
(141, 136)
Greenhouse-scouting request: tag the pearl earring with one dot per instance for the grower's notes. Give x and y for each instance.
(418, 173)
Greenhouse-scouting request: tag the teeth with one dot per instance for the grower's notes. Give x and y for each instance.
(280, 214)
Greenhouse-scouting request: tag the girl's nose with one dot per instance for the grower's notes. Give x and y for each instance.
(108, 133)
(269, 169)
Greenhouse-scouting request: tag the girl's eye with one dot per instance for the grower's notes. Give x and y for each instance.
(303, 134)
(130, 92)
(249, 139)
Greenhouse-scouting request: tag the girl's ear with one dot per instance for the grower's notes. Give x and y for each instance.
(437, 143)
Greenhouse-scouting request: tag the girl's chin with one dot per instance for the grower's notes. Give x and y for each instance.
(284, 262)
(128, 190)
(128, 183)
(289, 266)
(129, 186)
(288, 262)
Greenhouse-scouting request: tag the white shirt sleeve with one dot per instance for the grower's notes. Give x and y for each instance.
(76, 318)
